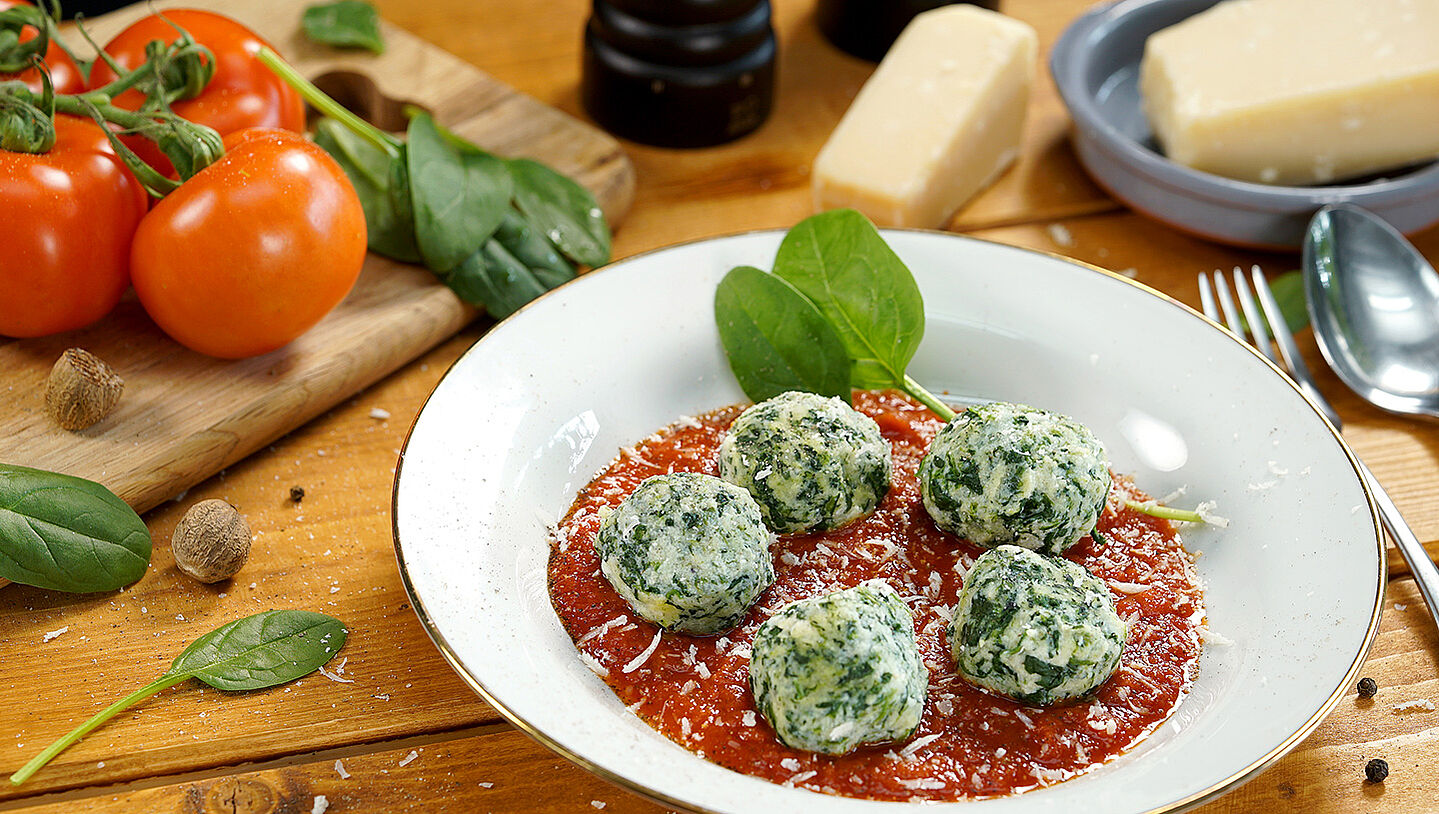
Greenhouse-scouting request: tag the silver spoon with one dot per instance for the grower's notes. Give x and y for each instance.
(1374, 303)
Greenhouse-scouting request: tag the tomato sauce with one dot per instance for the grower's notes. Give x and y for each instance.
(970, 743)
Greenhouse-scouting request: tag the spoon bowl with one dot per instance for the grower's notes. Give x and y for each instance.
(1374, 304)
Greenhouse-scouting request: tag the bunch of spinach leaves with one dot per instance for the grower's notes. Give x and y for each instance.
(499, 232)
(67, 534)
(264, 650)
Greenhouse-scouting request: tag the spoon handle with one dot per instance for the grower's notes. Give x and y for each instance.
(1420, 565)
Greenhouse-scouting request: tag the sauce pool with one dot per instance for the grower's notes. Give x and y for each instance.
(970, 744)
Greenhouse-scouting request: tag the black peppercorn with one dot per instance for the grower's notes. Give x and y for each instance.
(297, 493)
(1367, 688)
(1376, 770)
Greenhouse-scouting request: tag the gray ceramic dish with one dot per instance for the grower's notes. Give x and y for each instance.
(1095, 63)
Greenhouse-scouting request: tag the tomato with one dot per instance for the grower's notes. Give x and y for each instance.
(69, 217)
(63, 73)
(254, 249)
(243, 92)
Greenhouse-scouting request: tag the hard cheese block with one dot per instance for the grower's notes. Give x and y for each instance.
(1297, 91)
(940, 118)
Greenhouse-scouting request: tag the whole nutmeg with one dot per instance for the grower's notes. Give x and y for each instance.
(82, 389)
(211, 542)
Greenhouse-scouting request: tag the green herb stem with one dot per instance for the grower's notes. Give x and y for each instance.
(163, 682)
(328, 106)
(1153, 509)
(928, 399)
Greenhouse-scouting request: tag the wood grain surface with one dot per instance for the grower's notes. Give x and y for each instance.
(185, 416)
(193, 749)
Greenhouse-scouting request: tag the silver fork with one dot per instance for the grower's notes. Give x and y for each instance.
(1266, 320)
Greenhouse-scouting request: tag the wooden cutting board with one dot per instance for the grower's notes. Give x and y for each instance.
(185, 416)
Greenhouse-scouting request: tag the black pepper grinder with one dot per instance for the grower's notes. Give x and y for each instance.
(866, 28)
(679, 73)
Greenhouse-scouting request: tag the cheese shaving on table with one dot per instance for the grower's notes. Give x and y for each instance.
(57, 633)
(321, 805)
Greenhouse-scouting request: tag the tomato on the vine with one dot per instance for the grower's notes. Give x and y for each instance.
(243, 92)
(70, 214)
(63, 73)
(254, 249)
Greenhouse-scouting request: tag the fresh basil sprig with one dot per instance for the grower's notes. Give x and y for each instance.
(499, 232)
(344, 24)
(253, 653)
(839, 265)
(68, 534)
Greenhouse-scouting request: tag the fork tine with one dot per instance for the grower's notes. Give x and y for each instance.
(1254, 317)
(1226, 304)
(1206, 298)
(1284, 338)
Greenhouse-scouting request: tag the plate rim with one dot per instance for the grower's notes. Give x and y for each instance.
(1212, 792)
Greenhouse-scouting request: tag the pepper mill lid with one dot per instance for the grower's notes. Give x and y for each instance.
(679, 73)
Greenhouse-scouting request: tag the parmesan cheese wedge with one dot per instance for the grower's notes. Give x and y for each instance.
(1297, 91)
(940, 118)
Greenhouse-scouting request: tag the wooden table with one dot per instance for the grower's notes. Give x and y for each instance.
(401, 733)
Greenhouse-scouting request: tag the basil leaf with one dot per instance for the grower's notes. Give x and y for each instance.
(563, 211)
(776, 340)
(531, 248)
(838, 260)
(369, 170)
(492, 277)
(263, 650)
(458, 195)
(345, 24)
(68, 534)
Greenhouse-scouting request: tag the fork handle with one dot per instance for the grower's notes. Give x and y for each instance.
(1420, 565)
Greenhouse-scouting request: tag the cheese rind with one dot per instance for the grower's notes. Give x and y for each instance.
(940, 118)
(1297, 91)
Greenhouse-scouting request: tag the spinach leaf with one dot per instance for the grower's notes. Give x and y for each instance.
(68, 534)
(458, 195)
(1288, 290)
(345, 24)
(838, 260)
(777, 340)
(562, 210)
(253, 653)
(391, 233)
(494, 278)
(531, 248)
(262, 650)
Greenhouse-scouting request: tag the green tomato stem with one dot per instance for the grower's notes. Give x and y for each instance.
(328, 106)
(83, 105)
(163, 682)
(124, 82)
(927, 398)
(1165, 512)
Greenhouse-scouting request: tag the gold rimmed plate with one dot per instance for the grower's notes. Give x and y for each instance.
(545, 400)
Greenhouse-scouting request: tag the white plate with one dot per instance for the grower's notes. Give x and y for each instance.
(545, 400)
